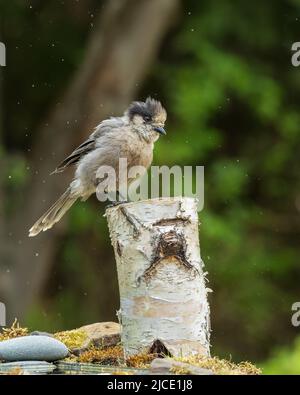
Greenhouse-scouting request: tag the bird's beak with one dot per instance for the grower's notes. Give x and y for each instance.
(160, 130)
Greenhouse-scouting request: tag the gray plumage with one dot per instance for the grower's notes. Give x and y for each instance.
(131, 136)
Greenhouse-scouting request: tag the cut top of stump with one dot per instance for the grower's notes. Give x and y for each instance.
(175, 210)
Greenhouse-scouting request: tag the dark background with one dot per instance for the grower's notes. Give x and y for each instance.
(223, 70)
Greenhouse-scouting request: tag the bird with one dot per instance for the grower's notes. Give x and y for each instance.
(130, 136)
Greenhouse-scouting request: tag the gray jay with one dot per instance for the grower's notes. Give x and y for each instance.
(131, 136)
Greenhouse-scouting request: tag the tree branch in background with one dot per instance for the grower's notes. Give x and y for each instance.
(119, 54)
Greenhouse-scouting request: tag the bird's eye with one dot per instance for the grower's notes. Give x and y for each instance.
(147, 118)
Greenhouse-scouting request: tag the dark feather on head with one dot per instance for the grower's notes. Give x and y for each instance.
(149, 110)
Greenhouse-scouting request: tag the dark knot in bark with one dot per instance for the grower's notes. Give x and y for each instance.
(170, 244)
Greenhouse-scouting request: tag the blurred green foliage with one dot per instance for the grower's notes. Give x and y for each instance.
(284, 361)
(225, 76)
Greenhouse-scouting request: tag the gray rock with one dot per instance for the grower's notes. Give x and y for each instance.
(100, 334)
(166, 366)
(37, 367)
(39, 333)
(103, 334)
(32, 348)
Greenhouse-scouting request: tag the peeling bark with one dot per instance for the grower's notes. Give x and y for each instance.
(162, 286)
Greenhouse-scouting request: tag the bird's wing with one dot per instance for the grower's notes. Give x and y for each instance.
(76, 155)
(89, 144)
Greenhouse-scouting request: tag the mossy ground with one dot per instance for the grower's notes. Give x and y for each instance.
(14, 331)
(72, 339)
(114, 356)
(220, 366)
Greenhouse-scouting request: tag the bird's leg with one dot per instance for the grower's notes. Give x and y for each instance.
(119, 200)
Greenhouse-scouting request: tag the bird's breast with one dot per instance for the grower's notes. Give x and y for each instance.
(139, 154)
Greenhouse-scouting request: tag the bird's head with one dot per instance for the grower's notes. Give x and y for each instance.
(147, 118)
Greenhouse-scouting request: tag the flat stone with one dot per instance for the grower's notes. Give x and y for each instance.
(32, 348)
(37, 367)
(100, 334)
(166, 366)
(64, 367)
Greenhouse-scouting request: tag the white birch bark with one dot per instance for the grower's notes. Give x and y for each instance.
(163, 298)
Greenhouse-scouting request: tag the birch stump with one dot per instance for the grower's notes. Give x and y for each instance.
(163, 301)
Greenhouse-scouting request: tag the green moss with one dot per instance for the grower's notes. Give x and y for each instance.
(220, 366)
(140, 361)
(106, 356)
(72, 339)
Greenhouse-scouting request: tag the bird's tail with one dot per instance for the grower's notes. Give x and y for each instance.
(54, 214)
